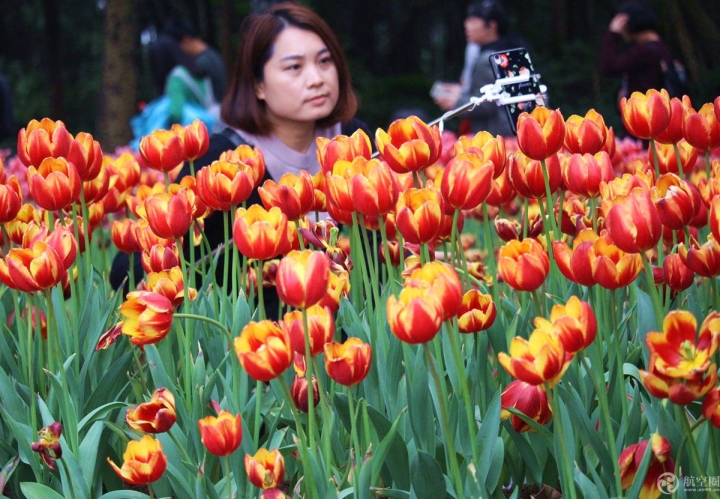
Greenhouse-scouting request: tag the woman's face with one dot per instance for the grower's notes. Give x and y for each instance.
(300, 80)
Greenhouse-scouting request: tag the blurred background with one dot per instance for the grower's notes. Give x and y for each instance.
(85, 61)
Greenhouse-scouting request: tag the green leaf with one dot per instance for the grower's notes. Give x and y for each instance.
(7, 471)
(420, 407)
(124, 494)
(38, 491)
(486, 438)
(498, 456)
(399, 463)
(426, 476)
(388, 442)
(100, 413)
(89, 450)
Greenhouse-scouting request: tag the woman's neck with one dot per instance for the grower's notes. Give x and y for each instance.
(298, 137)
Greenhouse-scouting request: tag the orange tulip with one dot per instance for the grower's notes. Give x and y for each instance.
(321, 329)
(531, 400)
(96, 189)
(541, 133)
(714, 221)
(445, 286)
(163, 150)
(611, 267)
(477, 312)
(342, 148)
(43, 139)
(169, 215)
(156, 416)
(541, 359)
(302, 278)
(661, 462)
(673, 133)
(337, 184)
(646, 115)
(585, 135)
(418, 214)
(667, 159)
(711, 406)
(124, 174)
(160, 257)
(703, 260)
(348, 363)
(148, 317)
(486, 147)
(86, 155)
(677, 201)
(143, 461)
(263, 350)
(10, 199)
(574, 323)
(293, 194)
(221, 435)
(702, 129)
(583, 174)
(466, 181)
(171, 284)
(527, 176)
(224, 184)
(36, 268)
(261, 234)
(195, 137)
(299, 392)
(676, 275)
(123, 235)
(678, 390)
(409, 144)
(17, 227)
(373, 187)
(265, 469)
(623, 186)
(523, 265)
(576, 264)
(54, 184)
(416, 315)
(633, 222)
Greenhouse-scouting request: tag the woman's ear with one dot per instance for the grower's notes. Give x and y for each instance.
(260, 91)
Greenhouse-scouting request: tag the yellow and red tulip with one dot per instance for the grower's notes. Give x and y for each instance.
(677, 201)
(160, 257)
(43, 139)
(373, 188)
(668, 161)
(416, 315)
(523, 265)
(171, 284)
(527, 176)
(36, 268)
(155, 416)
(342, 148)
(633, 222)
(661, 462)
(17, 227)
(676, 275)
(714, 220)
(348, 363)
(10, 199)
(704, 259)
(612, 268)
(85, 153)
(265, 469)
(293, 194)
(148, 317)
(477, 312)
(54, 184)
(169, 215)
(539, 360)
(584, 173)
(585, 135)
(541, 133)
(49, 444)
(673, 133)
(299, 392)
(711, 406)
(321, 329)
(250, 156)
(221, 434)
(466, 181)
(574, 323)
(263, 350)
(418, 214)
(143, 461)
(195, 137)
(123, 235)
(261, 234)
(409, 144)
(531, 400)
(445, 286)
(646, 115)
(702, 128)
(486, 147)
(163, 150)
(302, 278)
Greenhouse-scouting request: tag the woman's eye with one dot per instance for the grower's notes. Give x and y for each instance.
(293, 67)
(326, 60)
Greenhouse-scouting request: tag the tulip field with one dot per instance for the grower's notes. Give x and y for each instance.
(471, 317)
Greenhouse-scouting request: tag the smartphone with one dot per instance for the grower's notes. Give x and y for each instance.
(516, 62)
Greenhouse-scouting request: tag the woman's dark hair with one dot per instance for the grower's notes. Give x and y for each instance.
(240, 107)
(490, 10)
(640, 16)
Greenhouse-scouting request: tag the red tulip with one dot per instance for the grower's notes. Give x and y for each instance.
(541, 133)
(646, 115)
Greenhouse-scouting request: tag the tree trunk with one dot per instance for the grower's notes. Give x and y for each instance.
(53, 43)
(120, 74)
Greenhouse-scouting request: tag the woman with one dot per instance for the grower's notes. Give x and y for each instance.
(290, 85)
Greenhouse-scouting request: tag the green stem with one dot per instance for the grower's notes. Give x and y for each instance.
(259, 280)
(226, 462)
(445, 422)
(490, 248)
(652, 290)
(467, 397)
(208, 320)
(309, 370)
(258, 412)
(389, 265)
(619, 354)
(187, 343)
(355, 443)
(679, 162)
(655, 158)
(568, 485)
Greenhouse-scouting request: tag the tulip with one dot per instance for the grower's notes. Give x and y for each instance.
(49, 444)
(715, 217)
(523, 265)
(17, 227)
(611, 267)
(342, 148)
(531, 400)
(541, 133)
(502, 191)
(62, 241)
(703, 260)
(583, 174)
(416, 315)
(302, 278)
(221, 435)
(170, 215)
(373, 187)
(33, 320)
(678, 390)
(445, 286)
(673, 133)
(43, 139)
(36, 268)
(677, 201)
(623, 186)
(321, 329)
(634, 223)
(585, 135)
(224, 184)
(54, 184)
(251, 157)
(195, 137)
(702, 129)
(86, 155)
(263, 350)
(467, 181)
(418, 214)
(646, 115)
(711, 406)
(409, 144)
(477, 312)
(171, 284)
(143, 461)
(574, 323)
(661, 462)
(299, 392)
(486, 147)
(163, 150)
(156, 416)
(338, 287)
(541, 359)
(265, 469)
(261, 234)
(348, 363)
(148, 317)
(677, 275)
(668, 161)
(10, 199)
(123, 235)
(527, 176)
(96, 189)
(293, 194)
